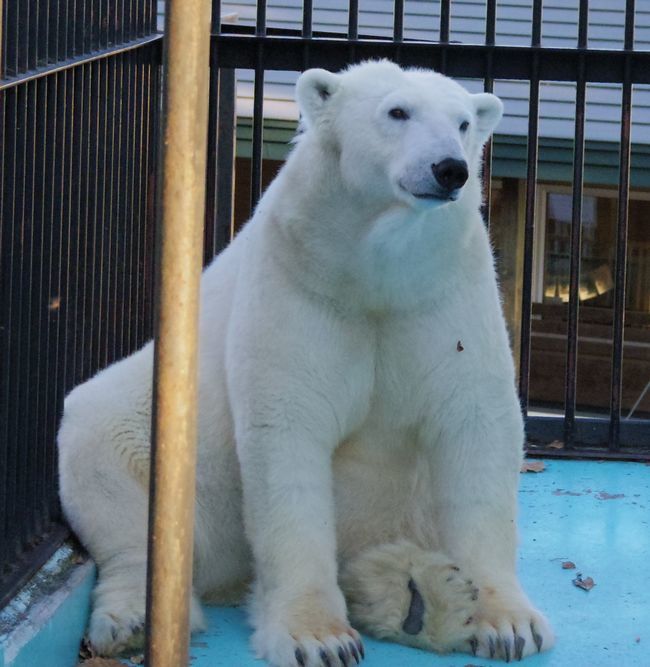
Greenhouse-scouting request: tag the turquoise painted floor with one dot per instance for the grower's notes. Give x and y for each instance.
(596, 515)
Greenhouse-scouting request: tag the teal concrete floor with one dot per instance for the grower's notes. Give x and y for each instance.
(594, 514)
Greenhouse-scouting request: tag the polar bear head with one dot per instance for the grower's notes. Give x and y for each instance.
(401, 134)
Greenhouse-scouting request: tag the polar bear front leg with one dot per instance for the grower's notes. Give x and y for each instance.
(298, 611)
(477, 463)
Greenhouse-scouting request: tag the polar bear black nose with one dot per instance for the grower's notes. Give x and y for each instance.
(450, 173)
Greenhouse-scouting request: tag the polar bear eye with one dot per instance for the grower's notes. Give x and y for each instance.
(464, 125)
(398, 114)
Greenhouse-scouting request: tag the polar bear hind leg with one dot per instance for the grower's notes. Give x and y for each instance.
(405, 594)
(104, 495)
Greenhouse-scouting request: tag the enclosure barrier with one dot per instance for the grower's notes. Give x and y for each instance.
(171, 507)
(262, 49)
(79, 107)
(79, 116)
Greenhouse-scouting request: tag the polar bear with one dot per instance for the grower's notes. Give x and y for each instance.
(360, 436)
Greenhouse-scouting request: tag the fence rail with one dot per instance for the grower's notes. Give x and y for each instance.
(79, 118)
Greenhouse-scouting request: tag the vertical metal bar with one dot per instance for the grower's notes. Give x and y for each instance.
(8, 271)
(44, 32)
(216, 17)
(138, 191)
(258, 106)
(307, 32)
(85, 230)
(19, 296)
(2, 42)
(119, 213)
(488, 86)
(113, 122)
(11, 33)
(126, 210)
(575, 247)
(226, 147)
(258, 138)
(398, 20)
(148, 218)
(445, 18)
(100, 217)
(30, 35)
(52, 220)
(353, 19)
(175, 369)
(211, 220)
(260, 22)
(529, 225)
(307, 18)
(621, 236)
(94, 233)
(40, 277)
(5, 276)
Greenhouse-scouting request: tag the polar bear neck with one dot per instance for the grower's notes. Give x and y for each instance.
(353, 249)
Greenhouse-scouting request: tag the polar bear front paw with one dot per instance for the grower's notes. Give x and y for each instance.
(305, 633)
(117, 622)
(113, 631)
(509, 628)
(412, 596)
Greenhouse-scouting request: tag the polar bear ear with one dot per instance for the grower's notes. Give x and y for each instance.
(313, 91)
(489, 109)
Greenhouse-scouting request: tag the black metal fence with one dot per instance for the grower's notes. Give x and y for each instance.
(79, 111)
(79, 97)
(261, 48)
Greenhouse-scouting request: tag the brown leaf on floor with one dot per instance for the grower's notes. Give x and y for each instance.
(603, 495)
(586, 584)
(556, 444)
(532, 466)
(101, 662)
(568, 565)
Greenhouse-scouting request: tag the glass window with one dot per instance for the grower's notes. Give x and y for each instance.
(596, 294)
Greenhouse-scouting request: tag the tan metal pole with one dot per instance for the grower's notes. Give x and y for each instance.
(186, 68)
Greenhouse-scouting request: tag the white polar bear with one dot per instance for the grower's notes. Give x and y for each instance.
(348, 444)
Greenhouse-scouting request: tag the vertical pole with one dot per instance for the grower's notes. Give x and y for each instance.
(2, 47)
(175, 369)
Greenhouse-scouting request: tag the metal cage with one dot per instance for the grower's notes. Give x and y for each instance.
(80, 111)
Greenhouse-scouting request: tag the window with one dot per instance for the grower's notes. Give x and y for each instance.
(596, 294)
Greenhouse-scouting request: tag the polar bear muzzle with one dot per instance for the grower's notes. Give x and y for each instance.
(450, 173)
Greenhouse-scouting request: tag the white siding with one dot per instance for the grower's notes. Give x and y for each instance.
(467, 25)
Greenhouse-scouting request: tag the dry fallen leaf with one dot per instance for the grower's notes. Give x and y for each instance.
(586, 584)
(532, 466)
(556, 444)
(603, 495)
(568, 565)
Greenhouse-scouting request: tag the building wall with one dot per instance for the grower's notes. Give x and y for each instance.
(467, 25)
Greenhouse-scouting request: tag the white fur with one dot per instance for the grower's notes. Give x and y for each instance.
(334, 400)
